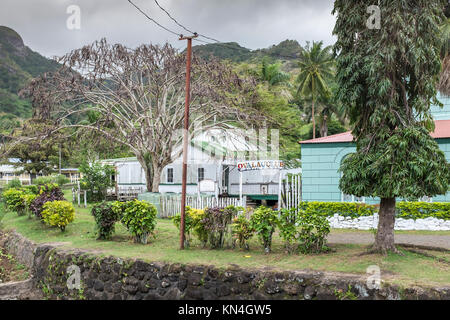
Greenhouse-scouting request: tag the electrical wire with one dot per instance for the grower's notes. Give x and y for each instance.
(182, 26)
(217, 42)
(153, 20)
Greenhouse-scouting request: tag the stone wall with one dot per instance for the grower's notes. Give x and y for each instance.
(366, 223)
(115, 278)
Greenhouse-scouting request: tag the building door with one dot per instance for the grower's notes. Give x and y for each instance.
(225, 179)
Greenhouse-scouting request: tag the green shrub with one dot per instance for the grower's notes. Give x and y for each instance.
(139, 217)
(264, 221)
(192, 224)
(242, 231)
(32, 189)
(344, 209)
(58, 214)
(404, 209)
(105, 220)
(422, 210)
(59, 179)
(288, 228)
(28, 199)
(14, 200)
(96, 180)
(313, 231)
(217, 223)
(13, 184)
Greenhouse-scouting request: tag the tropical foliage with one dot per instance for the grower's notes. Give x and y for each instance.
(316, 69)
(387, 85)
(264, 221)
(58, 214)
(139, 217)
(105, 219)
(97, 178)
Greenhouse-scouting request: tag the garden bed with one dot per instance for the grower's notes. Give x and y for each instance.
(409, 269)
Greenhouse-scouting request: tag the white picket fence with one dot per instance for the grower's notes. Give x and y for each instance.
(171, 204)
(291, 192)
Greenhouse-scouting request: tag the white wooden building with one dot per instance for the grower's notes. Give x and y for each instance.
(211, 156)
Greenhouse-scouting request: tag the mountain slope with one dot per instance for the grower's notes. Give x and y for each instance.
(18, 64)
(287, 50)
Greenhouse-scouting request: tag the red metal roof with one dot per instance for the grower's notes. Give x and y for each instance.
(442, 130)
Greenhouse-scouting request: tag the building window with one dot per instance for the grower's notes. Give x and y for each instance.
(201, 174)
(170, 175)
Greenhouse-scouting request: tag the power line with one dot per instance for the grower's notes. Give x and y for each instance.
(217, 42)
(153, 20)
(182, 26)
(174, 20)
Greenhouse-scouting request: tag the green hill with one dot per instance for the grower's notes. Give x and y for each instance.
(18, 64)
(287, 50)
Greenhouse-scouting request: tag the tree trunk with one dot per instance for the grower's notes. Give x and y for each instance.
(313, 120)
(148, 169)
(156, 178)
(148, 178)
(324, 127)
(384, 240)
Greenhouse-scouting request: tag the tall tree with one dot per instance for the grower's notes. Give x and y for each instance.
(387, 79)
(138, 95)
(444, 81)
(37, 149)
(316, 68)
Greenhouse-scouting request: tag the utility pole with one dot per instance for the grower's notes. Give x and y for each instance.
(186, 135)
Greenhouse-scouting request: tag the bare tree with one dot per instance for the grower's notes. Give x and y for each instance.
(139, 97)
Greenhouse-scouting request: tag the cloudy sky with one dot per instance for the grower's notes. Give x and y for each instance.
(252, 23)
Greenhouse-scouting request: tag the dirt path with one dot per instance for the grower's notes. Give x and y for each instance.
(441, 241)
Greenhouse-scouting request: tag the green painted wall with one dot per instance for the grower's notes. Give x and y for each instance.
(444, 112)
(320, 165)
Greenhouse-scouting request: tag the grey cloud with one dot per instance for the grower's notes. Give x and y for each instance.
(252, 23)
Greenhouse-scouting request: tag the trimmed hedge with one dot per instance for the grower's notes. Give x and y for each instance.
(405, 210)
(344, 209)
(422, 210)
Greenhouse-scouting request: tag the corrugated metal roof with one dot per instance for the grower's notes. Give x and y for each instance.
(442, 130)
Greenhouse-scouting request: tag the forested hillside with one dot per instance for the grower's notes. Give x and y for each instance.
(18, 64)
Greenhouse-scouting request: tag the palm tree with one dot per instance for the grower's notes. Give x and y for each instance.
(316, 68)
(326, 107)
(272, 73)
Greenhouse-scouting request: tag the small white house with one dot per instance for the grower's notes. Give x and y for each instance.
(212, 156)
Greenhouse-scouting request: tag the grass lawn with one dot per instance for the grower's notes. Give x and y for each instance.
(408, 269)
